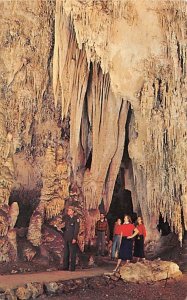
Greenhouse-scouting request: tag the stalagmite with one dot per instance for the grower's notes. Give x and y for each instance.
(35, 227)
(54, 191)
(55, 181)
(13, 213)
(8, 241)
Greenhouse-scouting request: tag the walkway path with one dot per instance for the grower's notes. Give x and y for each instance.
(15, 280)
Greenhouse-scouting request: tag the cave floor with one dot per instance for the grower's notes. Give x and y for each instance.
(170, 289)
(14, 280)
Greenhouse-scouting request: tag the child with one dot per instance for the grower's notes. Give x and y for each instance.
(139, 240)
(116, 238)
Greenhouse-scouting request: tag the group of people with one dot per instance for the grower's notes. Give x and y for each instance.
(122, 244)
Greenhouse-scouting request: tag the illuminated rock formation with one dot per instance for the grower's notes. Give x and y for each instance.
(149, 271)
(91, 91)
(107, 57)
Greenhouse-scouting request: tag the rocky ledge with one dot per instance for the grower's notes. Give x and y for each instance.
(147, 271)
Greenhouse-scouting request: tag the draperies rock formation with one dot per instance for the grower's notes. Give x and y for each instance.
(80, 78)
(106, 56)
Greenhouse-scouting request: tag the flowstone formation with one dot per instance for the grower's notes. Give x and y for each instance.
(92, 97)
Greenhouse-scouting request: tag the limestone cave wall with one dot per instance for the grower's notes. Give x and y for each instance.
(82, 83)
(34, 139)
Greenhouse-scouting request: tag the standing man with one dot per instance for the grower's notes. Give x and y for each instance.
(102, 232)
(71, 230)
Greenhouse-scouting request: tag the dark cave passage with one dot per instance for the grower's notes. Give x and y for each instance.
(163, 226)
(27, 201)
(89, 161)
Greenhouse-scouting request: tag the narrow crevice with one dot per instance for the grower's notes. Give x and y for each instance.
(89, 161)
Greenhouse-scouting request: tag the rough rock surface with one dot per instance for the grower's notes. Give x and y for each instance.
(89, 88)
(30, 291)
(149, 271)
(124, 62)
(8, 241)
(99, 288)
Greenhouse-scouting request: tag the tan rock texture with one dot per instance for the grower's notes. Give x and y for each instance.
(129, 62)
(8, 242)
(29, 122)
(149, 271)
(72, 72)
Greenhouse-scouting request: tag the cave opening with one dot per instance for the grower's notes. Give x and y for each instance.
(163, 226)
(122, 203)
(27, 201)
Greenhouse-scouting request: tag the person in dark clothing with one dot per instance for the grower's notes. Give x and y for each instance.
(70, 234)
(139, 240)
(102, 232)
(128, 231)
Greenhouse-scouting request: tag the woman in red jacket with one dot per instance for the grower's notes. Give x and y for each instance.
(139, 240)
(128, 231)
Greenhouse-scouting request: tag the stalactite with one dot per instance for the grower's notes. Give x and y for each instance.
(70, 72)
(116, 159)
(104, 107)
(101, 104)
(151, 74)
